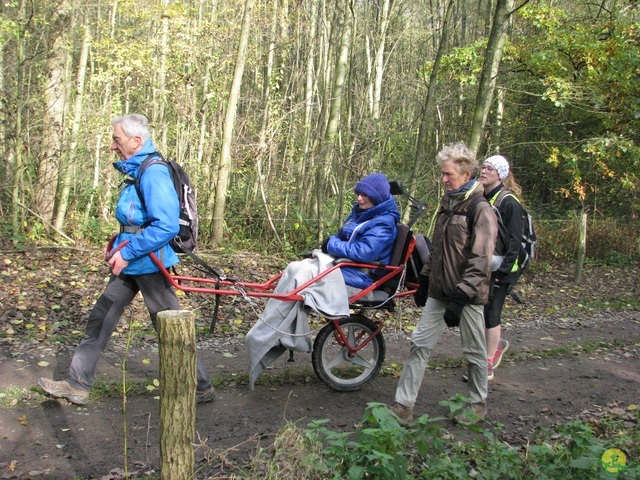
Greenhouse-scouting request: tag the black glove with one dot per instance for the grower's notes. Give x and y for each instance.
(454, 309)
(422, 292)
(325, 242)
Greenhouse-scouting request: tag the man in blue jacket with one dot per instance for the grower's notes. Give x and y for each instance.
(148, 227)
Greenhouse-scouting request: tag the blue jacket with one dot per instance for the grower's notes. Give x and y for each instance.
(366, 236)
(161, 215)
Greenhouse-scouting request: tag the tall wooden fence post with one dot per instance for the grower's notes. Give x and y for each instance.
(582, 247)
(177, 350)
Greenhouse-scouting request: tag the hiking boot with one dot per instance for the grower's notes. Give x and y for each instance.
(62, 389)
(205, 396)
(490, 367)
(503, 346)
(471, 414)
(405, 414)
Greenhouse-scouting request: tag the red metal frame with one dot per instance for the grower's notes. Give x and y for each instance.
(265, 289)
(224, 287)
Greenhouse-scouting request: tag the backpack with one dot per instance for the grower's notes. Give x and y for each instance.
(529, 238)
(419, 257)
(186, 240)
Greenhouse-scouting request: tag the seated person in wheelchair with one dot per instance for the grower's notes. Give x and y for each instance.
(367, 235)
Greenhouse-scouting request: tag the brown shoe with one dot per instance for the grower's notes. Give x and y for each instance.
(471, 414)
(405, 414)
(62, 389)
(205, 396)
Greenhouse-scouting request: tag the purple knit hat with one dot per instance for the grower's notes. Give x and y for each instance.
(375, 186)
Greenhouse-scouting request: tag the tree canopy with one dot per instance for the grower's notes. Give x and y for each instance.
(329, 92)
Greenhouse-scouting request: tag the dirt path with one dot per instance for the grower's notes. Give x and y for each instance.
(545, 379)
(54, 439)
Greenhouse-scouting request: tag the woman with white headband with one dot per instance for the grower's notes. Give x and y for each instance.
(503, 192)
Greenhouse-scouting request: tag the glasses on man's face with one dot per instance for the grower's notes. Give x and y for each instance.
(488, 168)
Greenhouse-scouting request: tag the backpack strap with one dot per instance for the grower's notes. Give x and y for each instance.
(469, 212)
(151, 159)
(496, 200)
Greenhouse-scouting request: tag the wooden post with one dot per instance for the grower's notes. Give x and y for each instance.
(582, 247)
(177, 349)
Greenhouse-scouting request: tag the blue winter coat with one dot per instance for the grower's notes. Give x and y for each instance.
(366, 236)
(161, 215)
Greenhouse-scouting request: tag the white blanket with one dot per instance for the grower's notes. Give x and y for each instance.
(284, 325)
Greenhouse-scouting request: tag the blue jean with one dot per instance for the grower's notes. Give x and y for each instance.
(426, 336)
(158, 296)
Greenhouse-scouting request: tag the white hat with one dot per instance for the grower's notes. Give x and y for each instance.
(500, 164)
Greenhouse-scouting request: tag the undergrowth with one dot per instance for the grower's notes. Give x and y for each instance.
(382, 448)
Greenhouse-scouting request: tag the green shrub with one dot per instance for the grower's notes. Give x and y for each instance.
(383, 449)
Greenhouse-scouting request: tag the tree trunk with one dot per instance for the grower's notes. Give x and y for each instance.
(379, 60)
(331, 133)
(224, 171)
(63, 200)
(162, 76)
(488, 78)
(96, 178)
(177, 352)
(266, 99)
(45, 188)
(421, 145)
(497, 130)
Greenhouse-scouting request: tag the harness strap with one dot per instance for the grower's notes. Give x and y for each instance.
(135, 229)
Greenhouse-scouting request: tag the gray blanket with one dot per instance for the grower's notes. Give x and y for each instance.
(284, 325)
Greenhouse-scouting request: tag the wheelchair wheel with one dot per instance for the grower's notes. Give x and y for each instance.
(335, 366)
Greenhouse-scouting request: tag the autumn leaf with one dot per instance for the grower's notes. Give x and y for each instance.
(23, 420)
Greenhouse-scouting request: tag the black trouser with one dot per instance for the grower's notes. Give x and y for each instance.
(158, 296)
(493, 309)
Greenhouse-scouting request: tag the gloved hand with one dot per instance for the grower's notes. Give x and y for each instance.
(422, 292)
(325, 242)
(454, 309)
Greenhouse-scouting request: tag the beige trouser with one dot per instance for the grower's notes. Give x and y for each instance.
(426, 336)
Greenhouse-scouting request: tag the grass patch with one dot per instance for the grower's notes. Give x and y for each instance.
(14, 397)
(622, 303)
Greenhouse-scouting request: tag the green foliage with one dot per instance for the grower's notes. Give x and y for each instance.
(383, 449)
(588, 104)
(609, 241)
(379, 450)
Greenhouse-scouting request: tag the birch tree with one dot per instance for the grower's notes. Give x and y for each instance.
(488, 78)
(224, 168)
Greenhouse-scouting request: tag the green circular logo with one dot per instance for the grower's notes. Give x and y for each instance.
(614, 461)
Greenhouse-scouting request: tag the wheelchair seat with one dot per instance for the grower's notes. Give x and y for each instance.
(379, 297)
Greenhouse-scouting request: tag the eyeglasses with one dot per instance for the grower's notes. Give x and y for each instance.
(488, 168)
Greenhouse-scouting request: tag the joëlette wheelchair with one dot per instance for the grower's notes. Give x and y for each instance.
(347, 352)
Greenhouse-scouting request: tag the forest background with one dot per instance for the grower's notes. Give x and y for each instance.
(276, 108)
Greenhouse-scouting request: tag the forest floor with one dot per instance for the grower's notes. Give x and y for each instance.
(574, 355)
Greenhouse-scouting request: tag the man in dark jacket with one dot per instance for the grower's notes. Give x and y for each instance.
(146, 227)
(458, 283)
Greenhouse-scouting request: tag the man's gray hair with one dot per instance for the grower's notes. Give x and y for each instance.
(462, 156)
(134, 125)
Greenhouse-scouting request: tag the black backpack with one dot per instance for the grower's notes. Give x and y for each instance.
(187, 239)
(529, 238)
(419, 257)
